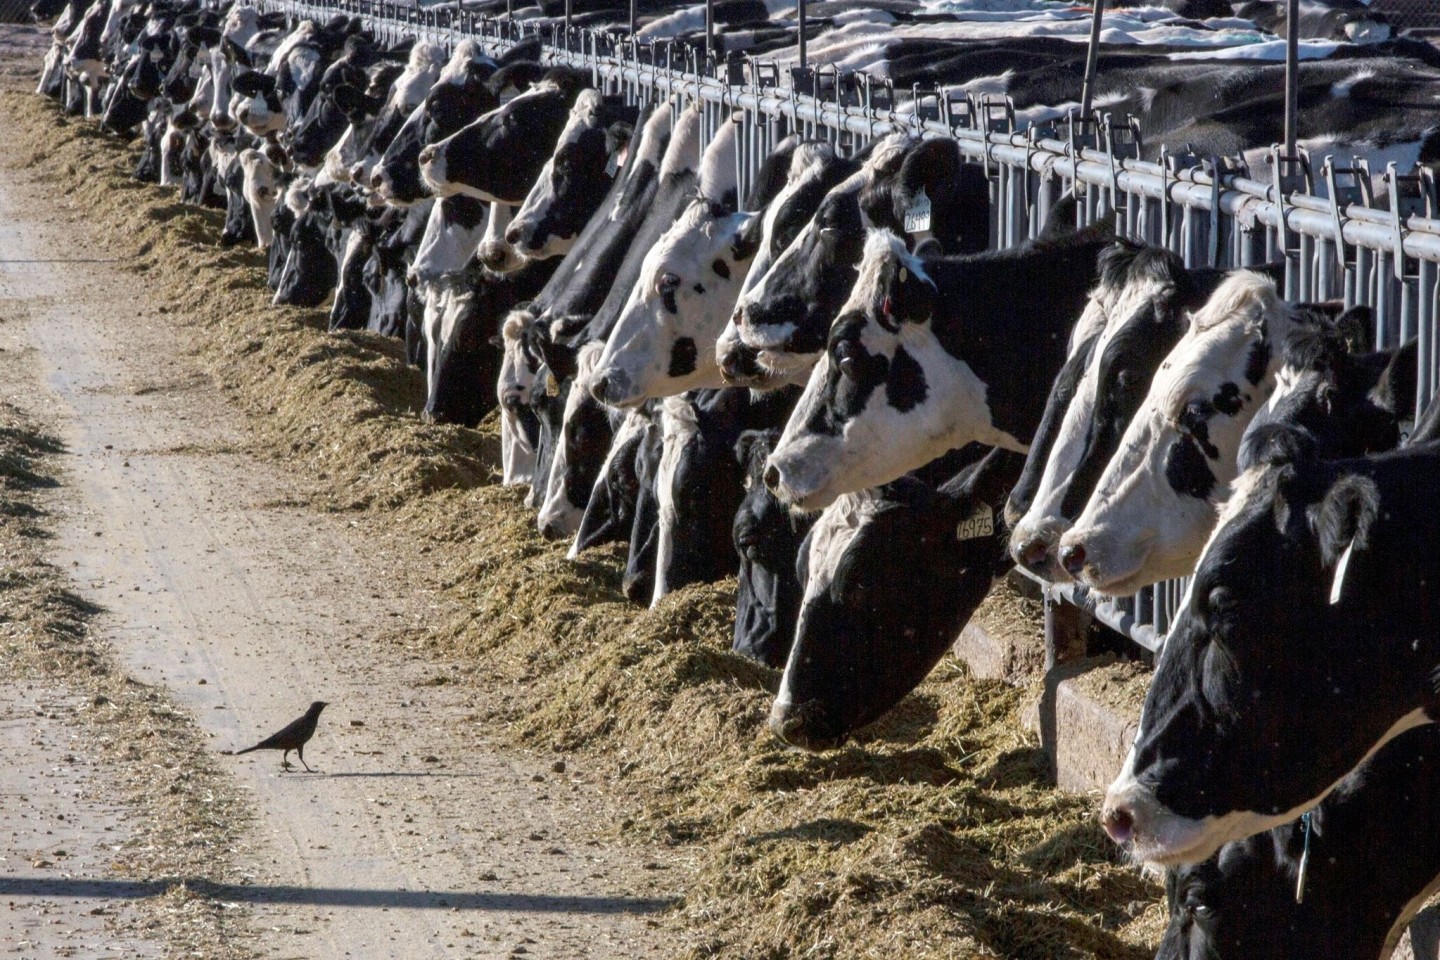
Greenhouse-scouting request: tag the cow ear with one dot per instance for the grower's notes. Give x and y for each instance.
(235, 53)
(1396, 391)
(1356, 325)
(1346, 517)
(929, 247)
(203, 36)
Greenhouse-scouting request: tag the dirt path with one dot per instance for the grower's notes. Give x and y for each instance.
(416, 837)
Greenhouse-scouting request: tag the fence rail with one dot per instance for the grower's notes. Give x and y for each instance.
(1337, 239)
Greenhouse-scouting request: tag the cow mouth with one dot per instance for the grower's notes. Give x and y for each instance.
(1170, 840)
(804, 725)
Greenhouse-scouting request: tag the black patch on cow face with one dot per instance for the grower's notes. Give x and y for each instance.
(1194, 422)
(1187, 471)
(853, 375)
(699, 288)
(682, 357)
(1228, 401)
(667, 299)
(1258, 362)
(905, 388)
(721, 268)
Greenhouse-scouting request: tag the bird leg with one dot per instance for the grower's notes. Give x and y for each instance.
(285, 760)
(300, 752)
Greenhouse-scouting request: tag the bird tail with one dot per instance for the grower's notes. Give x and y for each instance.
(246, 750)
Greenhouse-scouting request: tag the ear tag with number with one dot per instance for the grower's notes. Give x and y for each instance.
(980, 523)
(552, 386)
(917, 215)
(1340, 568)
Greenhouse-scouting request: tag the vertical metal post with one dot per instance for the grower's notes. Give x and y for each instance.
(632, 17)
(709, 27)
(800, 14)
(567, 24)
(1292, 73)
(1087, 91)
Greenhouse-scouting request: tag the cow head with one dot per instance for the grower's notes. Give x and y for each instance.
(575, 180)
(1155, 503)
(1294, 657)
(459, 96)
(870, 630)
(869, 411)
(663, 343)
(1143, 295)
(580, 448)
(814, 170)
(498, 156)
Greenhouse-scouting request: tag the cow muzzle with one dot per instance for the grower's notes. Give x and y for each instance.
(804, 725)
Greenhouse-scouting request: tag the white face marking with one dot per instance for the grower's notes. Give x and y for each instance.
(881, 443)
(1044, 521)
(446, 246)
(679, 429)
(515, 385)
(638, 355)
(558, 513)
(1136, 528)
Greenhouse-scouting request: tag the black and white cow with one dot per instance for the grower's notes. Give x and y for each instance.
(871, 625)
(1154, 504)
(1350, 402)
(1307, 641)
(461, 94)
(1143, 299)
(926, 356)
(610, 511)
(576, 180)
(767, 537)
(499, 156)
(1369, 859)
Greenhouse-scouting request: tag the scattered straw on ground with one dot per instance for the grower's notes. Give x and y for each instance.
(935, 836)
(184, 817)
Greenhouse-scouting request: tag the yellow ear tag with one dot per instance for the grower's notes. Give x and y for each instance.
(904, 274)
(980, 523)
(552, 386)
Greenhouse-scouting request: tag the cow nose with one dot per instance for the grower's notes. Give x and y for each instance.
(222, 122)
(1072, 558)
(1118, 821)
(427, 156)
(600, 388)
(551, 530)
(514, 235)
(1033, 553)
(772, 477)
(378, 178)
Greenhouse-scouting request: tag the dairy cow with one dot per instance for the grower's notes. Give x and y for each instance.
(913, 367)
(1306, 642)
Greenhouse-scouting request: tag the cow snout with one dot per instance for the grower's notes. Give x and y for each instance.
(511, 401)
(552, 530)
(600, 388)
(772, 477)
(1033, 554)
(1072, 558)
(1118, 820)
(739, 363)
(804, 725)
(427, 156)
(378, 179)
(222, 122)
(515, 234)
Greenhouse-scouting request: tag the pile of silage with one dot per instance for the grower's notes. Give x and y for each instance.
(936, 835)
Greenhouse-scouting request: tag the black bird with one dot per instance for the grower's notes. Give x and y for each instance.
(293, 737)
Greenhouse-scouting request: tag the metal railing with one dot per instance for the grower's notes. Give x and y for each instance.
(1339, 243)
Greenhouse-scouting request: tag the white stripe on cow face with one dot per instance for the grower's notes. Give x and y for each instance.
(585, 115)
(811, 466)
(826, 545)
(514, 388)
(445, 247)
(558, 514)
(1155, 504)
(678, 429)
(1110, 310)
(664, 341)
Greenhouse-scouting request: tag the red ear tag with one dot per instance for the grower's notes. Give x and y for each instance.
(885, 306)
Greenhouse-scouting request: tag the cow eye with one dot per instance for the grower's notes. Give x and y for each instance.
(1221, 600)
(669, 281)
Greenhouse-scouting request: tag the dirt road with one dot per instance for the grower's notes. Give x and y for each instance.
(416, 837)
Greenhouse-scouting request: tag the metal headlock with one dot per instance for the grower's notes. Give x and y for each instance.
(1209, 210)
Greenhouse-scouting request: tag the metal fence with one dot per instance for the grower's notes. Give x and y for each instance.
(1337, 242)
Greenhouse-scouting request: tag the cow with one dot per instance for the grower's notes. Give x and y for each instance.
(576, 180)
(459, 95)
(610, 511)
(1305, 642)
(586, 431)
(499, 156)
(1144, 296)
(663, 342)
(913, 368)
(1349, 401)
(767, 537)
(700, 484)
(1341, 884)
(871, 626)
(1154, 504)
(519, 428)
